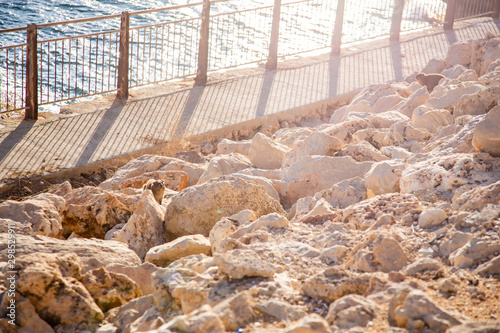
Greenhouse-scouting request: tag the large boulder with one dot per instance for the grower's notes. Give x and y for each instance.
(52, 284)
(93, 211)
(197, 209)
(145, 228)
(383, 177)
(222, 165)
(94, 253)
(487, 133)
(312, 174)
(184, 246)
(39, 215)
(266, 153)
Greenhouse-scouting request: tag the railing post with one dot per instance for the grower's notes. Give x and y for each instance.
(201, 73)
(337, 30)
(31, 73)
(272, 60)
(123, 60)
(449, 19)
(397, 17)
(496, 10)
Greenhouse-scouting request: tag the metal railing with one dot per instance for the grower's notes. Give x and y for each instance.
(41, 72)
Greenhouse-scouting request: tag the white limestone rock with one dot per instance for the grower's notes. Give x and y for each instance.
(431, 218)
(486, 135)
(197, 209)
(222, 165)
(184, 246)
(383, 177)
(266, 153)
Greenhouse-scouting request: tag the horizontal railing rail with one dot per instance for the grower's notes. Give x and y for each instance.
(46, 70)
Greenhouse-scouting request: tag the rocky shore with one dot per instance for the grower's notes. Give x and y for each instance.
(382, 215)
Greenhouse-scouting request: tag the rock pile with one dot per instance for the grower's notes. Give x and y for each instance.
(384, 219)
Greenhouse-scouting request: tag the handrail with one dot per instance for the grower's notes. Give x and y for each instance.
(83, 50)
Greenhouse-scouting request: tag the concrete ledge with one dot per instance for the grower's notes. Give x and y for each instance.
(118, 161)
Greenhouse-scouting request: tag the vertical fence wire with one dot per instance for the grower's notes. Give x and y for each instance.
(86, 65)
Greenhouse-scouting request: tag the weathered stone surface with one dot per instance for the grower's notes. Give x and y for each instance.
(473, 253)
(333, 283)
(174, 180)
(423, 266)
(284, 312)
(446, 173)
(93, 211)
(364, 214)
(351, 311)
(318, 143)
(266, 153)
(459, 53)
(430, 119)
(490, 268)
(141, 275)
(226, 146)
(26, 318)
(386, 256)
(223, 229)
(94, 253)
(51, 283)
(197, 322)
(238, 264)
(477, 198)
(431, 218)
(312, 323)
(145, 228)
(478, 103)
(108, 289)
(184, 246)
(334, 254)
(134, 168)
(413, 309)
(344, 193)
(487, 133)
(445, 97)
(312, 174)
(236, 311)
(476, 327)
(197, 209)
(222, 165)
(383, 177)
(455, 241)
(39, 215)
(362, 151)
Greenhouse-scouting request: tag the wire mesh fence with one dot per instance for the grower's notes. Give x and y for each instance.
(77, 66)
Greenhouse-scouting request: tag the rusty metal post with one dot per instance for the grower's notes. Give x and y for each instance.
(123, 60)
(496, 10)
(397, 17)
(337, 30)
(201, 73)
(272, 59)
(449, 19)
(31, 73)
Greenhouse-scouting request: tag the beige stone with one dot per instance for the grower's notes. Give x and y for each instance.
(109, 289)
(383, 177)
(184, 246)
(351, 311)
(145, 228)
(222, 165)
(93, 253)
(431, 218)
(266, 153)
(197, 209)
(238, 264)
(39, 215)
(487, 133)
